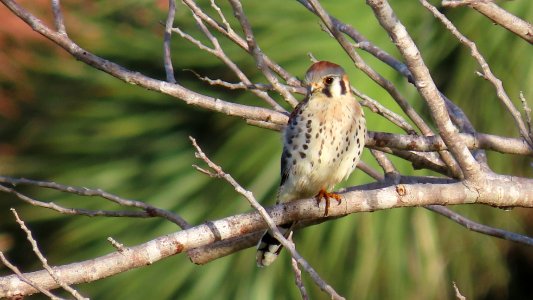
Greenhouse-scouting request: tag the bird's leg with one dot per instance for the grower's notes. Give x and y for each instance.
(323, 194)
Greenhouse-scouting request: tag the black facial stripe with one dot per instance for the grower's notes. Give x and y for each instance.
(327, 91)
(343, 87)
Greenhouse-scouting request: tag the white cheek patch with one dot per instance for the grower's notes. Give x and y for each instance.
(336, 87)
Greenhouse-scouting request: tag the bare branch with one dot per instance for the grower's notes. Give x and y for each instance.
(257, 54)
(243, 86)
(484, 229)
(298, 276)
(458, 294)
(498, 15)
(435, 143)
(217, 51)
(74, 211)
(487, 72)
(426, 87)
(364, 44)
(44, 261)
(131, 77)
(231, 35)
(369, 171)
(149, 210)
(384, 162)
(167, 59)
(498, 190)
(527, 111)
(58, 17)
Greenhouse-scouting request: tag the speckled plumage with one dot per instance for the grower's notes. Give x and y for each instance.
(322, 143)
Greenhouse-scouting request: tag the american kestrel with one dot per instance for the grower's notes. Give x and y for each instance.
(322, 144)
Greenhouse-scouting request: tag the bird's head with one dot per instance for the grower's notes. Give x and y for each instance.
(328, 79)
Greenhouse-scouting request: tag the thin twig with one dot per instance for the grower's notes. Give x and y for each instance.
(167, 58)
(458, 294)
(527, 111)
(218, 52)
(258, 55)
(369, 171)
(364, 44)
(384, 162)
(271, 224)
(44, 261)
(298, 275)
(477, 227)
(381, 110)
(239, 41)
(149, 210)
(58, 17)
(119, 246)
(243, 86)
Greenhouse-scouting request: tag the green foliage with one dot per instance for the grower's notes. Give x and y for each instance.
(83, 127)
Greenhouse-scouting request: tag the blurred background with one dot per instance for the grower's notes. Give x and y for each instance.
(61, 120)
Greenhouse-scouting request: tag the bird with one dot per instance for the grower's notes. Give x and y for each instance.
(322, 143)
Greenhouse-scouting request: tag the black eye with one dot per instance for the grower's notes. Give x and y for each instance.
(328, 80)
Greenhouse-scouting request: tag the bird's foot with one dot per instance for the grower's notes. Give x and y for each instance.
(327, 196)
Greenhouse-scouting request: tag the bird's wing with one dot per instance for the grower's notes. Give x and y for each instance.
(288, 133)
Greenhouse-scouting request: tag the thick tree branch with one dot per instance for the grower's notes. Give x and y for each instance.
(426, 87)
(435, 143)
(501, 191)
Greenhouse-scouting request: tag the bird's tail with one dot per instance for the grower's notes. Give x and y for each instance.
(269, 248)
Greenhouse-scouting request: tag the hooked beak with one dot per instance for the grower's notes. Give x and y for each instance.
(313, 87)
